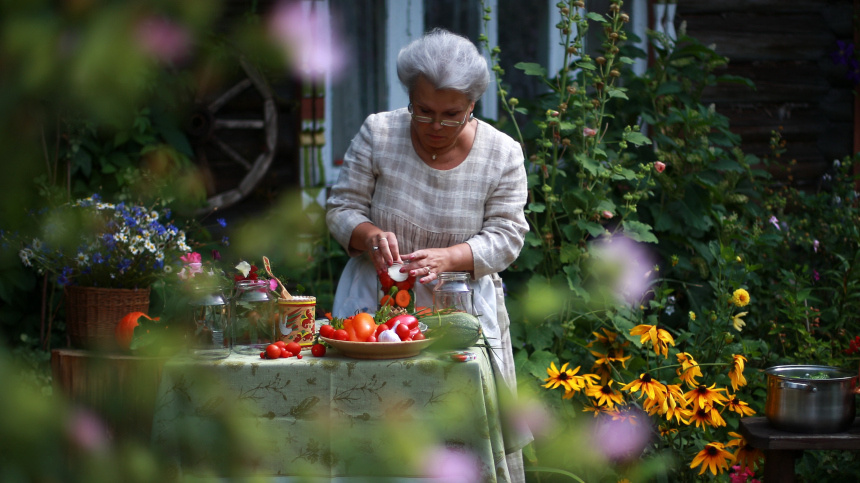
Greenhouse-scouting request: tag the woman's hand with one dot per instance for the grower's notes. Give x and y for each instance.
(427, 264)
(383, 249)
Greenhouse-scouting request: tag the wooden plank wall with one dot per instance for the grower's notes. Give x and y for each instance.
(784, 47)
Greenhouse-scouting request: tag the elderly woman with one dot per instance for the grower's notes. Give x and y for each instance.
(435, 188)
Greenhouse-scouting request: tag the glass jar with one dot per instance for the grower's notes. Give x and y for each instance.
(210, 316)
(253, 312)
(453, 291)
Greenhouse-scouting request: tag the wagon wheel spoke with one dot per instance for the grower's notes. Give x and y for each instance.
(240, 124)
(229, 94)
(231, 153)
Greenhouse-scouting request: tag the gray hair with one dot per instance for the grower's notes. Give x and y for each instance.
(447, 61)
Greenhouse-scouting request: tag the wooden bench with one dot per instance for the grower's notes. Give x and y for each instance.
(781, 448)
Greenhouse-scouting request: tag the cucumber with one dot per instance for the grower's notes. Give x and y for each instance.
(452, 331)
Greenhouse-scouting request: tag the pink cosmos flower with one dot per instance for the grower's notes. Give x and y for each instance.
(305, 31)
(163, 39)
(589, 132)
(659, 166)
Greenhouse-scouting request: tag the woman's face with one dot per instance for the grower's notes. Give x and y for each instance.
(438, 105)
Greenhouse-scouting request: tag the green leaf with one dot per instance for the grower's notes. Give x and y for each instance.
(593, 229)
(638, 231)
(537, 207)
(538, 362)
(636, 138)
(532, 239)
(595, 16)
(670, 87)
(626, 60)
(616, 93)
(539, 337)
(531, 68)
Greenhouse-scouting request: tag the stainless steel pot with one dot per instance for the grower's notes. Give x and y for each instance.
(799, 401)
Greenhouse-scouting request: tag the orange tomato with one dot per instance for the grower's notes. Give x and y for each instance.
(363, 325)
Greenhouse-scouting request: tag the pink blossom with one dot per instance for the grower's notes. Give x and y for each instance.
(607, 214)
(589, 132)
(189, 270)
(451, 466)
(87, 430)
(621, 439)
(659, 166)
(815, 246)
(738, 476)
(773, 221)
(163, 39)
(273, 284)
(192, 257)
(305, 31)
(628, 266)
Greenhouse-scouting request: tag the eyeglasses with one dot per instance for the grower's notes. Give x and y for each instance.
(443, 122)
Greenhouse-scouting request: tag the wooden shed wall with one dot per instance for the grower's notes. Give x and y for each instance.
(784, 47)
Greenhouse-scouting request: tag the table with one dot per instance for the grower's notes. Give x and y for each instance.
(782, 448)
(332, 416)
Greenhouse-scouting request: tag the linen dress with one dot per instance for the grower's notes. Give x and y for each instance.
(479, 202)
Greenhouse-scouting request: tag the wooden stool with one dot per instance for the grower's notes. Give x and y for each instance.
(781, 448)
(121, 388)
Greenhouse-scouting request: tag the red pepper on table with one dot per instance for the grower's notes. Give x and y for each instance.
(406, 319)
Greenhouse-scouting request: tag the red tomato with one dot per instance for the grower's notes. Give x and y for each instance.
(402, 331)
(385, 281)
(273, 351)
(327, 331)
(294, 347)
(285, 353)
(418, 336)
(372, 338)
(380, 328)
(340, 334)
(318, 350)
(363, 326)
(281, 344)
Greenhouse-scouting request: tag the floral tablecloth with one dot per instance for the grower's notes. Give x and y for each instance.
(335, 416)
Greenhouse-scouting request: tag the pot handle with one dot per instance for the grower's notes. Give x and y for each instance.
(797, 385)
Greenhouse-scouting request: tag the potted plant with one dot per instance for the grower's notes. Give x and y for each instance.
(106, 256)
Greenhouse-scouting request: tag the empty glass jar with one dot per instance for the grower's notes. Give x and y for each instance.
(210, 315)
(253, 317)
(453, 291)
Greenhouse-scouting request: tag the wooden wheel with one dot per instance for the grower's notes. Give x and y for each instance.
(234, 137)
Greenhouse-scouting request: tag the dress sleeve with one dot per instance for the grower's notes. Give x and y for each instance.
(501, 238)
(348, 204)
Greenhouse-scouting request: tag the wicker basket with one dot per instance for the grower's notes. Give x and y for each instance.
(92, 313)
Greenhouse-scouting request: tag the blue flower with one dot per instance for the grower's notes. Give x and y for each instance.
(98, 257)
(854, 71)
(222, 222)
(844, 53)
(226, 241)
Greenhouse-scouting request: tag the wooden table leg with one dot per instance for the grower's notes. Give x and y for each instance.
(779, 465)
